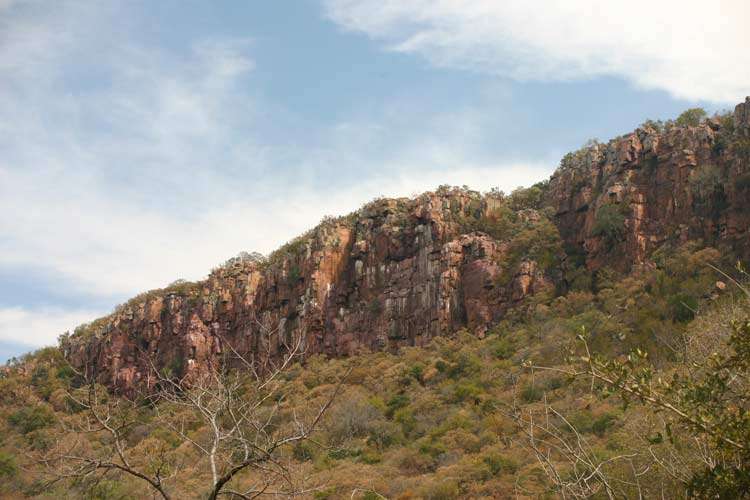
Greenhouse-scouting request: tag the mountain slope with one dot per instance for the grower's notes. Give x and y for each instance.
(400, 272)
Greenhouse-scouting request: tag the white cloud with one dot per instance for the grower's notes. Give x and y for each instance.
(40, 327)
(689, 48)
(124, 167)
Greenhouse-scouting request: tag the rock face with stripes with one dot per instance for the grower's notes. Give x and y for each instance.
(399, 272)
(670, 186)
(396, 273)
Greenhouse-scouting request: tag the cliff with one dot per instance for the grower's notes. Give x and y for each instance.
(669, 184)
(401, 271)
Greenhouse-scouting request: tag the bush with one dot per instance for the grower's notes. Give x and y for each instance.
(503, 348)
(382, 434)
(499, 464)
(691, 117)
(446, 489)
(8, 467)
(603, 423)
(30, 419)
(530, 393)
(609, 223)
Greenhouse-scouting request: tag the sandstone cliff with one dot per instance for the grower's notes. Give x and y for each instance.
(401, 271)
(679, 184)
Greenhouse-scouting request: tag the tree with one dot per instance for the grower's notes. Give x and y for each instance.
(609, 223)
(691, 117)
(232, 413)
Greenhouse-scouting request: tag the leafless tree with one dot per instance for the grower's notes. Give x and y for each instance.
(113, 418)
(567, 459)
(239, 404)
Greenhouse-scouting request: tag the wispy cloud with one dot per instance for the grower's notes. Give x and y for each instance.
(685, 48)
(40, 326)
(125, 166)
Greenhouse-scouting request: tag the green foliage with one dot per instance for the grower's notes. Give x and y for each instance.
(499, 464)
(8, 467)
(531, 393)
(30, 419)
(710, 402)
(691, 117)
(609, 223)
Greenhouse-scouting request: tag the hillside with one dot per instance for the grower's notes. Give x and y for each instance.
(399, 272)
(586, 337)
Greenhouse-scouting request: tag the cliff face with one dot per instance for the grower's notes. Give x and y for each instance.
(399, 272)
(685, 183)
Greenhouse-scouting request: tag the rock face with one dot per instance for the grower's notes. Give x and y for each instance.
(399, 272)
(396, 273)
(689, 183)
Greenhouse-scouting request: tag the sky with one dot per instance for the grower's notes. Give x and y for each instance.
(143, 142)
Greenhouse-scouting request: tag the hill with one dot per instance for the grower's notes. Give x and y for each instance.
(586, 337)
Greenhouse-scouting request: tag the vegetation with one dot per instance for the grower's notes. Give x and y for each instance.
(460, 417)
(609, 385)
(691, 117)
(609, 223)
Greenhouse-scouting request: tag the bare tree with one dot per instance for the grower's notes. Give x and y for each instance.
(243, 415)
(113, 418)
(237, 402)
(567, 459)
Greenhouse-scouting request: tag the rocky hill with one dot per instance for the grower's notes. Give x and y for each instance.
(399, 272)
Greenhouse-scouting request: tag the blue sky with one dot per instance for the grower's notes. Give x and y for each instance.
(141, 142)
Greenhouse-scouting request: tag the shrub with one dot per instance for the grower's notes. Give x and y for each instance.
(395, 403)
(603, 423)
(382, 434)
(691, 117)
(530, 393)
(30, 419)
(503, 348)
(609, 223)
(351, 418)
(498, 464)
(7, 465)
(303, 451)
(446, 489)
(466, 391)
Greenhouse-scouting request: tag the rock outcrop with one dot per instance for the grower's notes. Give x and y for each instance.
(396, 273)
(399, 272)
(674, 185)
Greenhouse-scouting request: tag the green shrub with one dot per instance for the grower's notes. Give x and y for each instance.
(691, 117)
(682, 307)
(609, 223)
(602, 424)
(395, 403)
(467, 391)
(503, 348)
(303, 451)
(498, 464)
(530, 393)
(383, 434)
(30, 419)
(8, 468)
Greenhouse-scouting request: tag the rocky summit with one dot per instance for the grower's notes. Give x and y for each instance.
(399, 272)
